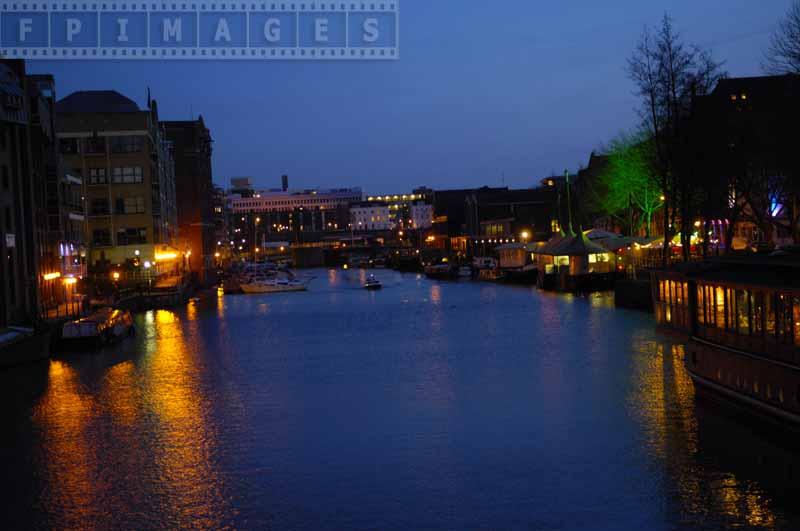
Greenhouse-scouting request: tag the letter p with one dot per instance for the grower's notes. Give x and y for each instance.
(73, 28)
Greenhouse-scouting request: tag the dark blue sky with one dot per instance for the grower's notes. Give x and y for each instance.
(483, 88)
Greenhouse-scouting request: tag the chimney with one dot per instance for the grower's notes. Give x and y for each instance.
(285, 182)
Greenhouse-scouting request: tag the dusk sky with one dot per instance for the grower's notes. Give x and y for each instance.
(483, 89)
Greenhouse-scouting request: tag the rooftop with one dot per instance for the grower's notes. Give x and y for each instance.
(96, 101)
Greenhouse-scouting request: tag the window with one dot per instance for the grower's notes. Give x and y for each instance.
(98, 207)
(742, 312)
(796, 308)
(94, 145)
(757, 313)
(719, 302)
(701, 305)
(101, 237)
(129, 205)
(68, 146)
(783, 319)
(126, 144)
(127, 175)
(98, 176)
(132, 236)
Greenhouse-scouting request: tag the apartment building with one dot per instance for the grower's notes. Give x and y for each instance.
(126, 163)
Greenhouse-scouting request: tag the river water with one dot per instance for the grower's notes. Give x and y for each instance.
(426, 405)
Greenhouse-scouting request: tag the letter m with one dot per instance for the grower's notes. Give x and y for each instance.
(172, 29)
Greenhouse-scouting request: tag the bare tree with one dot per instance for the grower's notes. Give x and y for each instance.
(783, 55)
(668, 74)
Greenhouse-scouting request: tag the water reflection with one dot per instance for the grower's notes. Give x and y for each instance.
(479, 405)
(189, 483)
(708, 451)
(69, 462)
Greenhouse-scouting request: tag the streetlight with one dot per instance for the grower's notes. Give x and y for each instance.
(524, 236)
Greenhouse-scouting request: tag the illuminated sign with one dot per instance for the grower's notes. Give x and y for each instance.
(307, 30)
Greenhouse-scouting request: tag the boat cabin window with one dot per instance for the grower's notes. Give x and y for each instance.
(672, 306)
(757, 314)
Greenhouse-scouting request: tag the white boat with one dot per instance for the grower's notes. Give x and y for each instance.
(105, 325)
(273, 285)
(465, 272)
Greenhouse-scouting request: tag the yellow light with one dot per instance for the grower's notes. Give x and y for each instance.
(115, 275)
(51, 276)
(283, 248)
(346, 266)
(525, 235)
(70, 281)
(697, 223)
(258, 250)
(166, 256)
(662, 198)
(216, 255)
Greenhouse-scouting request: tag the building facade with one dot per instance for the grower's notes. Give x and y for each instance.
(278, 215)
(371, 216)
(402, 209)
(194, 190)
(126, 163)
(41, 209)
(18, 266)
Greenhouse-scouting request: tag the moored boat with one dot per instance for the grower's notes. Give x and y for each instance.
(273, 285)
(104, 326)
(740, 317)
(440, 271)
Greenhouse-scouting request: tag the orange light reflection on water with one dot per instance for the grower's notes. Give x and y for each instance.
(663, 398)
(175, 395)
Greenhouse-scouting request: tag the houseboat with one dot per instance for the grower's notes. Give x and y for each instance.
(570, 262)
(740, 317)
(516, 263)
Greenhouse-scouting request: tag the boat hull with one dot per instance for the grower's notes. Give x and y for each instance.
(255, 289)
(765, 387)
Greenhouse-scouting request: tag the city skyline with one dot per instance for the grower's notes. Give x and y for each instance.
(435, 117)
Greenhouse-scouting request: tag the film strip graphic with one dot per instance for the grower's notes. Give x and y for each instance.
(200, 30)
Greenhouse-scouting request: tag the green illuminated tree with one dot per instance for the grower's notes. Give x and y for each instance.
(633, 192)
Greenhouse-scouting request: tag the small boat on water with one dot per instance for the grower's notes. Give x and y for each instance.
(104, 326)
(273, 285)
(465, 272)
(440, 271)
(372, 283)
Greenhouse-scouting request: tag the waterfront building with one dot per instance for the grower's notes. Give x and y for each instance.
(221, 217)
(572, 262)
(61, 217)
(194, 194)
(740, 316)
(744, 133)
(371, 216)
(18, 267)
(406, 211)
(296, 215)
(41, 209)
(127, 167)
